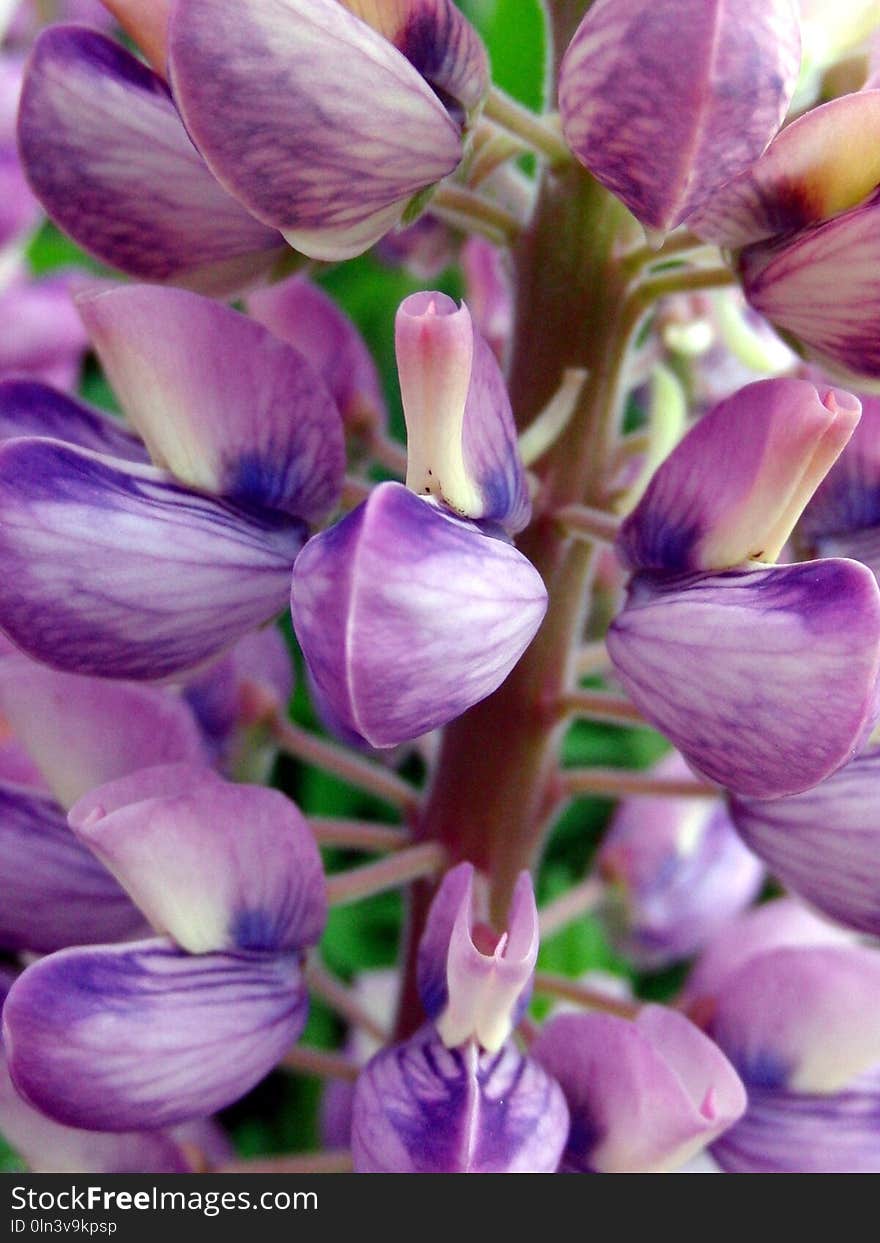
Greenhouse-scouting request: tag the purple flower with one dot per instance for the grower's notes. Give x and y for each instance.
(716, 660)
(795, 1007)
(43, 336)
(459, 1097)
(676, 873)
(108, 156)
(127, 570)
(803, 223)
(665, 103)
(644, 1096)
(149, 1034)
(327, 120)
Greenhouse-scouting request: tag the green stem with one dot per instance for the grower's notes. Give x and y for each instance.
(465, 210)
(542, 134)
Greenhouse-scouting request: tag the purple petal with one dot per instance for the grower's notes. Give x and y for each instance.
(476, 991)
(28, 408)
(717, 664)
(110, 160)
(803, 1018)
(435, 37)
(772, 925)
(360, 132)
(848, 500)
(42, 334)
(219, 401)
(122, 573)
(777, 440)
(55, 893)
(802, 1133)
(305, 317)
(420, 1108)
(676, 871)
(819, 287)
(461, 437)
(424, 249)
(825, 162)
(143, 1036)
(50, 1148)
(644, 1096)
(216, 866)
(665, 103)
(83, 732)
(443, 614)
(825, 844)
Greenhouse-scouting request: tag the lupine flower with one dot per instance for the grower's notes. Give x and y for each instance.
(795, 1007)
(645, 1096)
(445, 606)
(377, 98)
(458, 1097)
(676, 873)
(802, 222)
(76, 733)
(129, 570)
(665, 103)
(711, 644)
(87, 106)
(151, 1033)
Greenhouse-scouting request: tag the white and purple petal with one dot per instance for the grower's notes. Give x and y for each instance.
(824, 163)
(644, 1096)
(474, 984)
(107, 155)
(214, 865)
(407, 616)
(143, 1036)
(777, 439)
(420, 1108)
(716, 662)
(848, 499)
(461, 437)
(123, 573)
(359, 135)
(802, 1018)
(665, 103)
(219, 401)
(55, 892)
